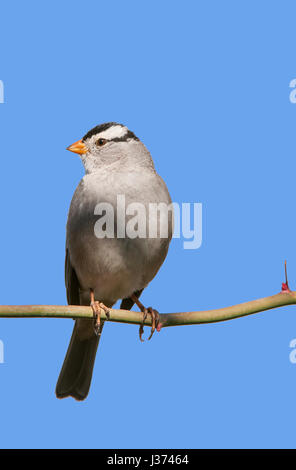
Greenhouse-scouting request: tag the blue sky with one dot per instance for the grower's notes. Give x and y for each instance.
(206, 86)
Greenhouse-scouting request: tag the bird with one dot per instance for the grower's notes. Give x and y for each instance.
(99, 271)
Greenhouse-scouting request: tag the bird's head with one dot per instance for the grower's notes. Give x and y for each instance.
(110, 144)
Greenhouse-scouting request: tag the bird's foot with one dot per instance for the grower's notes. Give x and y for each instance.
(97, 316)
(96, 308)
(154, 319)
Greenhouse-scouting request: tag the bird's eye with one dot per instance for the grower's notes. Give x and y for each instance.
(101, 142)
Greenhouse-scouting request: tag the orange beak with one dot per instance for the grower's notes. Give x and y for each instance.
(78, 147)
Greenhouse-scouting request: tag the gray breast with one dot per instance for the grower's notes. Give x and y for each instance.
(117, 267)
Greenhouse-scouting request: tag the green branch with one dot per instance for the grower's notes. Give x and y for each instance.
(286, 297)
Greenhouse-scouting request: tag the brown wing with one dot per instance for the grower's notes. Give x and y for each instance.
(71, 281)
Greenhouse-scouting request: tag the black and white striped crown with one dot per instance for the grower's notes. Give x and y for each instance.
(111, 131)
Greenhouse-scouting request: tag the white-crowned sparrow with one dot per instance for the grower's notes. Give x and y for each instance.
(99, 271)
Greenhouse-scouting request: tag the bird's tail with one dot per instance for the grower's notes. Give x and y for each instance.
(75, 377)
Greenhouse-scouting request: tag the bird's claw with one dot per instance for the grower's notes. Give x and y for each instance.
(154, 318)
(96, 308)
(141, 329)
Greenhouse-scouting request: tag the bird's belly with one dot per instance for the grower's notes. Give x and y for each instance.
(115, 268)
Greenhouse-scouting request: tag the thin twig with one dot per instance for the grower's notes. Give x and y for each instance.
(166, 319)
